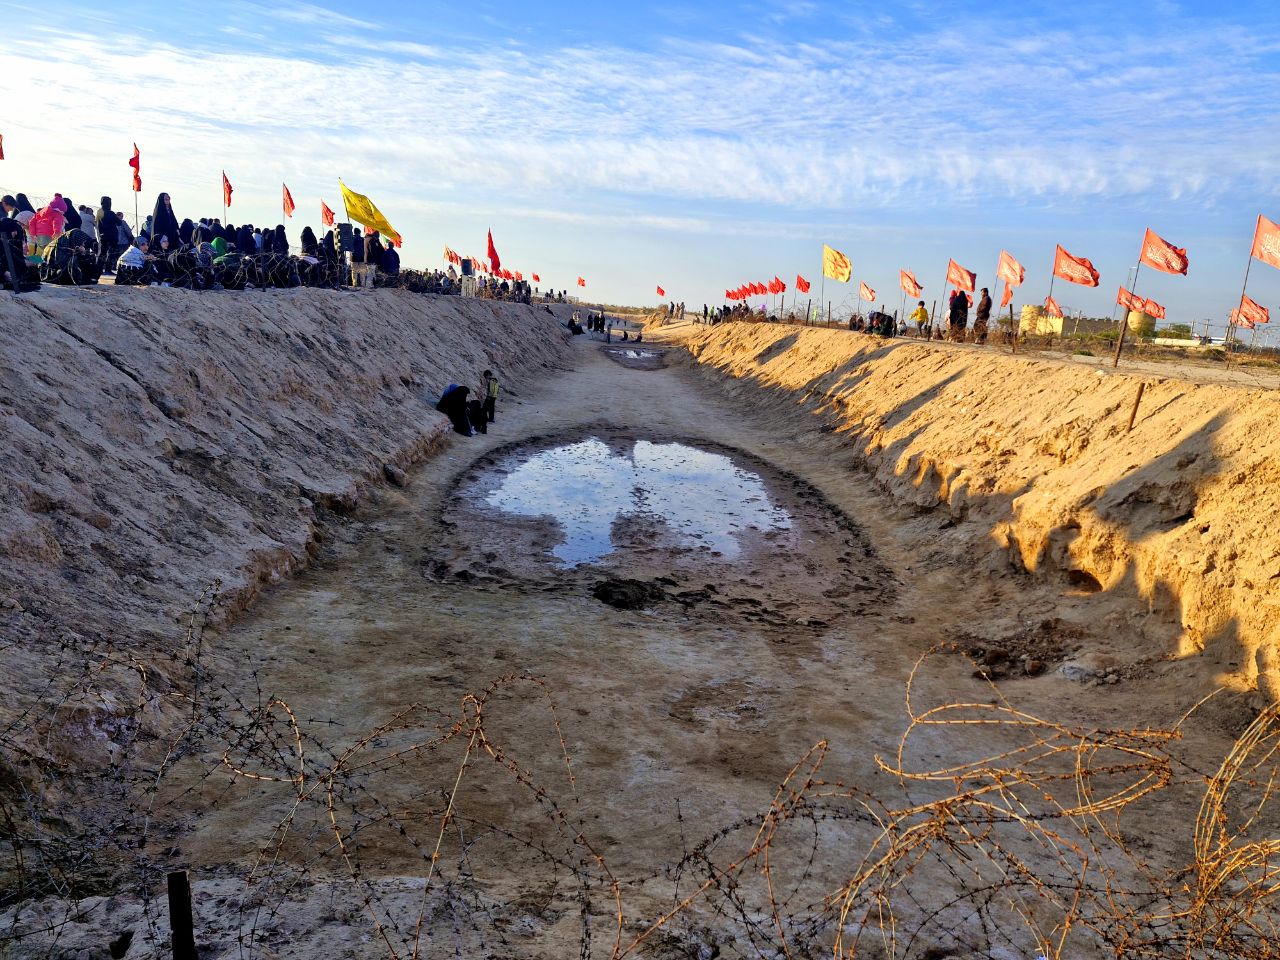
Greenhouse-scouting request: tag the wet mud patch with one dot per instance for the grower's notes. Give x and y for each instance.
(711, 531)
(638, 356)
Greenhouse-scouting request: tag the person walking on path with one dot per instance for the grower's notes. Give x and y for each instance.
(921, 317)
(491, 389)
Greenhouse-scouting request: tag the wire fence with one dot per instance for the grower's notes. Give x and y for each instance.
(1014, 843)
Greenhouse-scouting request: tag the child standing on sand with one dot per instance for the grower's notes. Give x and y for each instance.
(489, 383)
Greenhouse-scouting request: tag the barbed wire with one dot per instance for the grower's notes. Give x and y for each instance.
(1015, 843)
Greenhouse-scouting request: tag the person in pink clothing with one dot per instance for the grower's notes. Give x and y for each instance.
(48, 223)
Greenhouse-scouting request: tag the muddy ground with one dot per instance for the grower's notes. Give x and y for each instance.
(673, 724)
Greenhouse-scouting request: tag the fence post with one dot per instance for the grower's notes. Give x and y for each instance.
(180, 921)
(1133, 414)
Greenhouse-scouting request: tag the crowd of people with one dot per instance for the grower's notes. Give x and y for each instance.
(598, 326)
(63, 243)
(919, 323)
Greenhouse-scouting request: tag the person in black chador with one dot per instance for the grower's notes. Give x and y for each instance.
(108, 237)
(163, 222)
(15, 272)
(453, 404)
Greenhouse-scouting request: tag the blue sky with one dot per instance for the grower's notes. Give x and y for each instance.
(692, 146)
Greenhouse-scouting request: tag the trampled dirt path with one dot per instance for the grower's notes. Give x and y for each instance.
(680, 719)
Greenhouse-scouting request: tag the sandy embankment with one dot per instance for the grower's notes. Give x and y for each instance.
(1034, 454)
(158, 440)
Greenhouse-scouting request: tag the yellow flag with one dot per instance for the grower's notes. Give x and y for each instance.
(836, 265)
(362, 210)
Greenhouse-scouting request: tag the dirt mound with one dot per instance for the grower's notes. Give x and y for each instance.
(1033, 460)
(626, 594)
(164, 445)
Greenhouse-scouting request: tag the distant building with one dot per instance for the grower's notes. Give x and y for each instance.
(1037, 323)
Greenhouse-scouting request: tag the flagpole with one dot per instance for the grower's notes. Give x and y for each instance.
(946, 319)
(224, 194)
(1231, 327)
(822, 293)
(1124, 320)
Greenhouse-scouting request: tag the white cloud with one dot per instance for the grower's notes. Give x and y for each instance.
(296, 11)
(879, 120)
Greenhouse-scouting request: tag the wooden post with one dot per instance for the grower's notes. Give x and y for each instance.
(1013, 329)
(180, 921)
(808, 312)
(1133, 414)
(1124, 325)
(1124, 321)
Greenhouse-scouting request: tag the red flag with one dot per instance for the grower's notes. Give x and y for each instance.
(1163, 255)
(962, 278)
(1253, 311)
(288, 201)
(1127, 300)
(1240, 321)
(909, 284)
(136, 162)
(536, 278)
(581, 282)
(326, 215)
(1051, 307)
(1006, 296)
(226, 190)
(865, 292)
(494, 263)
(520, 276)
(661, 292)
(1074, 269)
(1153, 309)
(2, 146)
(1010, 270)
(802, 284)
(1266, 242)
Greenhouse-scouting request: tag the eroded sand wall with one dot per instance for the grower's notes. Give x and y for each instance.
(1033, 457)
(155, 440)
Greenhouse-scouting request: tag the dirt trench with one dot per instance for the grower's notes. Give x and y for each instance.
(673, 725)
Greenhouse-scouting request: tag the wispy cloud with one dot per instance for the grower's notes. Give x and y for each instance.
(296, 11)
(874, 121)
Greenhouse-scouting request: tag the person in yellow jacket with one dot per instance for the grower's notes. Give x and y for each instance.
(921, 317)
(490, 384)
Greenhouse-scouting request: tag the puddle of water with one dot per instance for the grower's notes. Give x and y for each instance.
(703, 498)
(639, 354)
